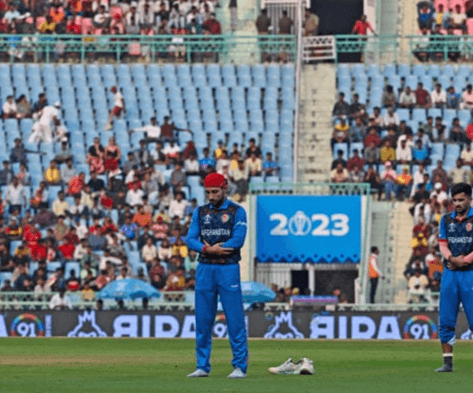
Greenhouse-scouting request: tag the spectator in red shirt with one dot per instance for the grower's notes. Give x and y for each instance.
(73, 27)
(40, 251)
(372, 137)
(213, 25)
(96, 228)
(108, 225)
(32, 237)
(362, 26)
(76, 184)
(67, 250)
(422, 96)
(72, 236)
(355, 161)
(105, 200)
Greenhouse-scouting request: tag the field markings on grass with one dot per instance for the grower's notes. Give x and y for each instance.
(39, 360)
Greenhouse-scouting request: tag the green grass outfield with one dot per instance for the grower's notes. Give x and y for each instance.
(75, 365)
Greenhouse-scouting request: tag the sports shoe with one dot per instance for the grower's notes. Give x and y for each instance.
(288, 367)
(237, 374)
(444, 369)
(198, 373)
(307, 367)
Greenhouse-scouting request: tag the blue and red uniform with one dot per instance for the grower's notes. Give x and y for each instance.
(219, 276)
(457, 285)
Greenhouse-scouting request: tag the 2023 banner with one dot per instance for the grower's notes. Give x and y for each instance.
(308, 228)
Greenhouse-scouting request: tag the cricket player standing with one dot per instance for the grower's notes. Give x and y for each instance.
(217, 232)
(456, 245)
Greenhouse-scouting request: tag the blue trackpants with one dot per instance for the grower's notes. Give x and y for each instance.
(223, 280)
(457, 286)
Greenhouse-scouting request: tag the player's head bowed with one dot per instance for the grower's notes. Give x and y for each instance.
(215, 180)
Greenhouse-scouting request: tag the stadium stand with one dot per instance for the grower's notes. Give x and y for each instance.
(245, 111)
(432, 123)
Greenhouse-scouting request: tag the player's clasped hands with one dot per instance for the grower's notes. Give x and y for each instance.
(457, 262)
(217, 249)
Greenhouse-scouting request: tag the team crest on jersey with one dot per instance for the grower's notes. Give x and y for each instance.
(468, 226)
(225, 217)
(451, 227)
(207, 219)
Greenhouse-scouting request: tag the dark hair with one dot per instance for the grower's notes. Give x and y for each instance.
(374, 249)
(461, 187)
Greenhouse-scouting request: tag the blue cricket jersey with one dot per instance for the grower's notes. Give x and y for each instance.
(458, 234)
(226, 224)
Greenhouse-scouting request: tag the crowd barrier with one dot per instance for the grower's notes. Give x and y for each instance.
(260, 324)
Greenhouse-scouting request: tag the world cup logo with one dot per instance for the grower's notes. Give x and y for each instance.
(300, 224)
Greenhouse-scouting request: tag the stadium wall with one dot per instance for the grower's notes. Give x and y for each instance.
(268, 325)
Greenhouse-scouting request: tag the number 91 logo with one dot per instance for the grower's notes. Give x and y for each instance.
(27, 325)
(420, 327)
(317, 225)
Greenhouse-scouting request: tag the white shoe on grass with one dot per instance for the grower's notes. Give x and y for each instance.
(237, 374)
(198, 373)
(287, 368)
(307, 367)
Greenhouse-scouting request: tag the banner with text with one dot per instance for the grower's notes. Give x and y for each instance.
(308, 228)
(269, 325)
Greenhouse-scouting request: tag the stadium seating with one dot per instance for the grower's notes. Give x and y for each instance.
(370, 82)
(216, 102)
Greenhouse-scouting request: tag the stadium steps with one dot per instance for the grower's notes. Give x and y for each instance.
(402, 252)
(408, 26)
(382, 223)
(318, 91)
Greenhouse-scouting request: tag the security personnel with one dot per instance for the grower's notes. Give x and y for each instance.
(217, 233)
(374, 272)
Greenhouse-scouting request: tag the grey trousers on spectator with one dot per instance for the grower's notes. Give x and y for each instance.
(233, 18)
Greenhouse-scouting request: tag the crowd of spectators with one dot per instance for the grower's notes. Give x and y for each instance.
(81, 18)
(387, 152)
(124, 220)
(435, 20)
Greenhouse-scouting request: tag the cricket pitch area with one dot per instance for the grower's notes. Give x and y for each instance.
(80, 365)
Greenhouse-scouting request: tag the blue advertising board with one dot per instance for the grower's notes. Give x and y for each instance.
(308, 228)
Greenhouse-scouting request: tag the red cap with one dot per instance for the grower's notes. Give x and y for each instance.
(215, 180)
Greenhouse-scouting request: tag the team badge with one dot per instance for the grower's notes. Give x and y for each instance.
(468, 226)
(207, 219)
(451, 227)
(225, 217)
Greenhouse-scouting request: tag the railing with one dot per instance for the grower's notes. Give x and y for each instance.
(388, 48)
(169, 300)
(189, 48)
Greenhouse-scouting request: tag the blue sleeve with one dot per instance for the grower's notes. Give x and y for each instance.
(442, 231)
(193, 235)
(239, 230)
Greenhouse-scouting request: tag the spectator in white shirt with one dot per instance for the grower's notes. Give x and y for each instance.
(146, 17)
(134, 197)
(60, 301)
(191, 165)
(133, 20)
(467, 98)
(391, 118)
(418, 178)
(458, 19)
(178, 206)
(417, 286)
(439, 193)
(9, 108)
(172, 151)
(467, 154)
(404, 153)
(60, 205)
(152, 131)
(149, 251)
(101, 19)
(407, 99)
(15, 196)
(438, 97)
